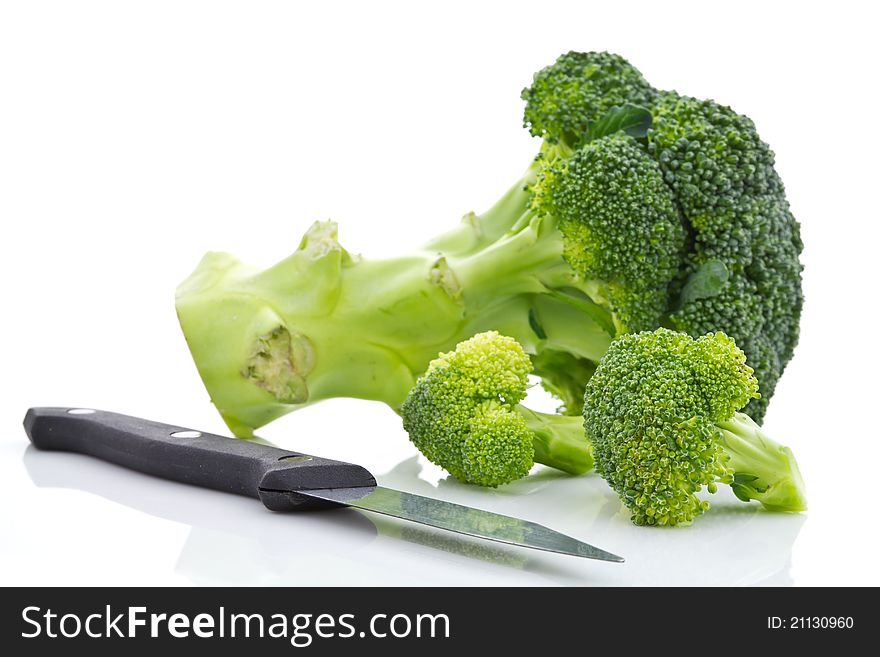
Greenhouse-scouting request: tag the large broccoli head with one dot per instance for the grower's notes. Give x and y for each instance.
(680, 223)
(642, 209)
(662, 414)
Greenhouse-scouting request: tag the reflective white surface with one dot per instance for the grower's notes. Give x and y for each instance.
(224, 539)
(209, 537)
(136, 137)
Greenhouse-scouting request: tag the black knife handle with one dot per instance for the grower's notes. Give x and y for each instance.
(236, 466)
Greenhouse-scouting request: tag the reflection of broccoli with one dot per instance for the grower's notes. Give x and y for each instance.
(642, 209)
(458, 519)
(661, 412)
(464, 415)
(475, 548)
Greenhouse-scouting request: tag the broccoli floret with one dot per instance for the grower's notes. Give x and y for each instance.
(711, 156)
(734, 203)
(565, 98)
(464, 414)
(641, 209)
(620, 226)
(662, 413)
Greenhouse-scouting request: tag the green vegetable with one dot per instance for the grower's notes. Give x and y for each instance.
(662, 414)
(642, 209)
(734, 204)
(464, 414)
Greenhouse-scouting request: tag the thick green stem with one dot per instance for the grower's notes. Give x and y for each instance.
(560, 441)
(763, 469)
(322, 324)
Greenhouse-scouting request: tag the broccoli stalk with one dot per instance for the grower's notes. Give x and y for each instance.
(662, 414)
(558, 440)
(464, 414)
(323, 323)
(763, 469)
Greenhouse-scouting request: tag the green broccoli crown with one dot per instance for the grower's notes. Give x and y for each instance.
(661, 412)
(461, 413)
(464, 415)
(650, 412)
(566, 97)
(620, 226)
(683, 223)
(710, 155)
(726, 187)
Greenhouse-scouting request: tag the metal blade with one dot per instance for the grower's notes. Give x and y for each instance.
(461, 519)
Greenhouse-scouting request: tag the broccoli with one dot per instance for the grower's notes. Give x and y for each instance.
(661, 412)
(742, 273)
(642, 209)
(464, 414)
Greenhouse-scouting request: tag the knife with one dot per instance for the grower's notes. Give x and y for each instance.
(282, 480)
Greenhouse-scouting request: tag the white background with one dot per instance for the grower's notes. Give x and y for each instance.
(136, 136)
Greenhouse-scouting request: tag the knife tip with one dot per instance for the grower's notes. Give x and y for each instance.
(602, 555)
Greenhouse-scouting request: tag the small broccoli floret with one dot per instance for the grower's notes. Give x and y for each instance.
(465, 415)
(662, 414)
(620, 225)
(566, 97)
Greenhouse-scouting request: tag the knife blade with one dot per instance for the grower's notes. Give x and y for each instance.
(283, 480)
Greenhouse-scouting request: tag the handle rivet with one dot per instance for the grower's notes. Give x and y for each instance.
(81, 411)
(186, 434)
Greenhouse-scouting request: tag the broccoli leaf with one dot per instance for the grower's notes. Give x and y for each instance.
(706, 282)
(632, 120)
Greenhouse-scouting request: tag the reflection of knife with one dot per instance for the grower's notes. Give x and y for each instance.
(282, 480)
